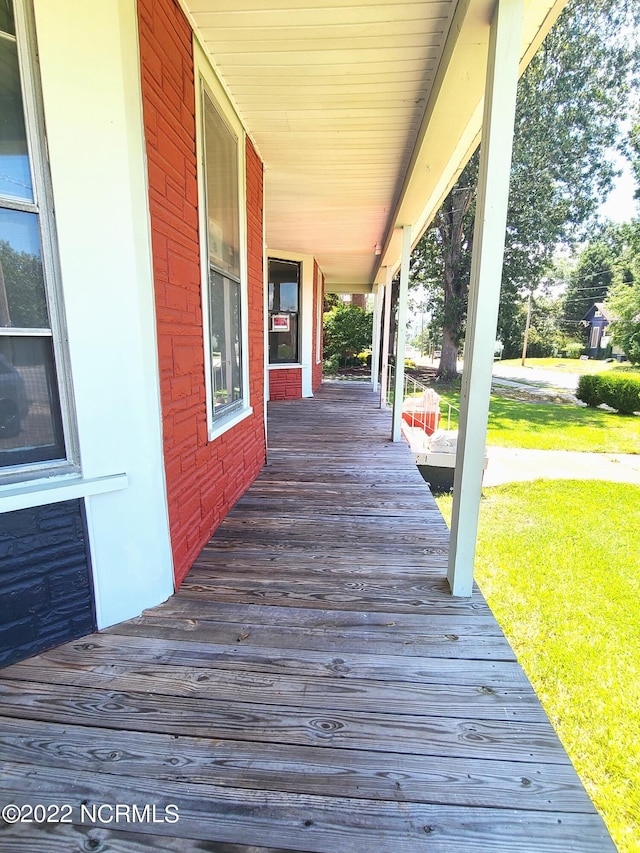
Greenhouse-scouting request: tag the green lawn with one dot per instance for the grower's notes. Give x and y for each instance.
(568, 365)
(549, 426)
(559, 563)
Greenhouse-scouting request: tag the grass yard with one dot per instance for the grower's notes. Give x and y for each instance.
(568, 365)
(559, 563)
(552, 426)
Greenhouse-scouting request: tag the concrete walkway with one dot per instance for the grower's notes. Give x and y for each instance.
(507, 465)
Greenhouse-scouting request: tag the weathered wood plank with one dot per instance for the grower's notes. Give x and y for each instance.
(480, 702)
(336, 642)
(74, 838)
(468, 621)
(244, 720)
(295, 769)
(316, 823)
(323, 595)
(109, 647)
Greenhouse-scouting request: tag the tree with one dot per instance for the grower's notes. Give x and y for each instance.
(624, 297)
(625, 305)
(22, 296)
(347, 331)
(633, 141)
(331, 300)
(589, 282)
(572, 100)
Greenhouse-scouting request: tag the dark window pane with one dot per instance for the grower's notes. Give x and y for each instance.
(7, 24)
(284, 299)
(226, 355)
(223, 212)
(30, 421)
(23, 303)
(15, 176)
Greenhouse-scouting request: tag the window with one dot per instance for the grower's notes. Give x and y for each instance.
(284, 309)
(595, 336)
(32, 429)
(223, 238)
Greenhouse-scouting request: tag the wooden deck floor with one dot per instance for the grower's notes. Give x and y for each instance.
(312, 687)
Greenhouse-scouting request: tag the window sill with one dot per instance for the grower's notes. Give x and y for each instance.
(219, 428)
(286, 366)
(38, 493)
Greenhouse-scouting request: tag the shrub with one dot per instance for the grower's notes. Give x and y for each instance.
(573, 350)
(347, 331)
(331, 365)
(620, 391)
(589, 390)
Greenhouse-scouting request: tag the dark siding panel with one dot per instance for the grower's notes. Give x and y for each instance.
(46, 595)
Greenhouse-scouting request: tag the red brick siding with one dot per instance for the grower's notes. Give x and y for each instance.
(204, 479)
(285, 384)
(316, 368)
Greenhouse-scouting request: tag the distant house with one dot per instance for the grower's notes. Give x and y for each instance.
(596, 320)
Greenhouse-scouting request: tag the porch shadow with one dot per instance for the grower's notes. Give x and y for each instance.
(313, 686)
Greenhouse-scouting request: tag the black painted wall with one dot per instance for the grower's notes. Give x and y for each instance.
(46, 595)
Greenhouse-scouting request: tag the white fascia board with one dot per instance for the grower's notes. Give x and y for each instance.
(306, 314)
(93, 109)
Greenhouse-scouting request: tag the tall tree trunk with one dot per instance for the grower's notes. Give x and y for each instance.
(395, 296)
(451, 224)
(448, 367)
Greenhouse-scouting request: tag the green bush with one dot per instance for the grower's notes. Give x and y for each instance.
(589, 390)
(347, 332)
(619, 391)
(573, 350)
(331, 365)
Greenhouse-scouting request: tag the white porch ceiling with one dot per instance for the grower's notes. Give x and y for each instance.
(363, 111)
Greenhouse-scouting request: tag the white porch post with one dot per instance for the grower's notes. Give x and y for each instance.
(375, 339)
(384, 378)
(484, 289)
(401, 333)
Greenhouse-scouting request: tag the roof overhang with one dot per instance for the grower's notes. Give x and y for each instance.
(364, 115)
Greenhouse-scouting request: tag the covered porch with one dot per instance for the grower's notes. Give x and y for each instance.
(313, 686)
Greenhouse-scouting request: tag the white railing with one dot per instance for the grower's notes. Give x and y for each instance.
(414, 388)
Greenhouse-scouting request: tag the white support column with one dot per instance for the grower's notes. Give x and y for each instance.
(398, 396)
(384, 378)
(484, 289)
(375, 338)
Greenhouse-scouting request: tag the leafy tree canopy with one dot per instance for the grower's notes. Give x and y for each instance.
(572, 100)
(624, 296)
(347, 331)
(22, 282)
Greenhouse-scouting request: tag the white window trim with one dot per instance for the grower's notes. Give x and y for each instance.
(305, 313)
(206, 77)
(43, 207)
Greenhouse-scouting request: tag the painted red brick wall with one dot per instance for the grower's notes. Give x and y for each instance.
(316, 370)
(204, 479)
(285, 384)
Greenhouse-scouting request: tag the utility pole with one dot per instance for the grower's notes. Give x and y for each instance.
(526, 329)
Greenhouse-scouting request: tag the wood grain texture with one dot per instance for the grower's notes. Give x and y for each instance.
(334, 823)
(313, 686)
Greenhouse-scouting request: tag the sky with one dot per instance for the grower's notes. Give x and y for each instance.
(620, 206)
